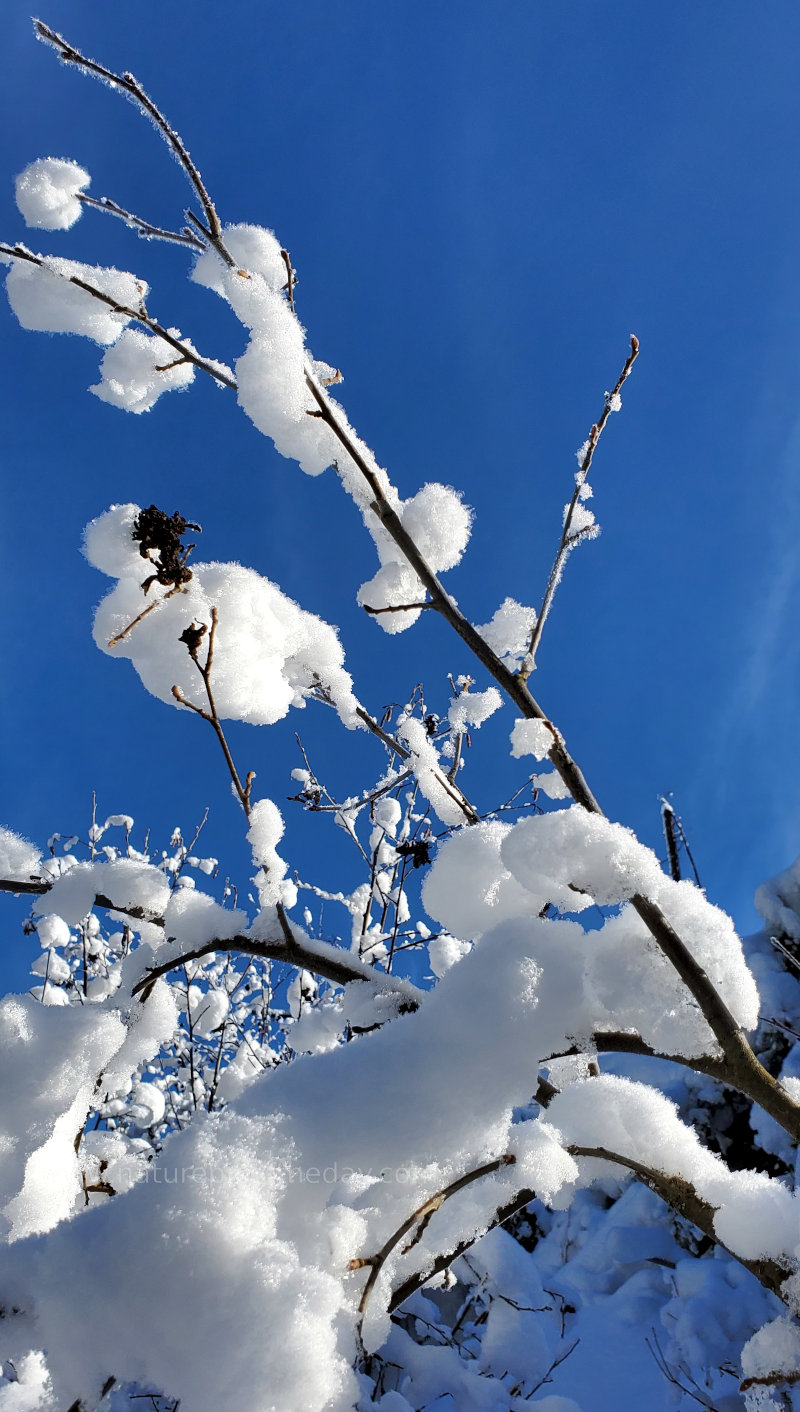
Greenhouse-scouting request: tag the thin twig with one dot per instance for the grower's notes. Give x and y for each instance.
(397, 608)
(204, 668)
(143, 227)
(333, 963)
(290, 278)
(670, 836)
(156, 603)
(569, 540)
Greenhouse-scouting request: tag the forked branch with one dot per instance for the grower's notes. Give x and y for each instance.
(130, 85)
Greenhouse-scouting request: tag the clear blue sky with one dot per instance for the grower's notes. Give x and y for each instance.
(482, 203)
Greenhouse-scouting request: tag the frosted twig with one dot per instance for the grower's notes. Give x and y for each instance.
(389, 741)
(130, 85)
(139, 316)
(141, 226)
(568, 539)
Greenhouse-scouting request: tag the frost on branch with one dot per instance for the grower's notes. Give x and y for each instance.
(269, 654)
(47, 193)
(18, 858)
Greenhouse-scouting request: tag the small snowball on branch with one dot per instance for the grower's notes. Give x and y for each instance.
(534, 737)
(47, 193)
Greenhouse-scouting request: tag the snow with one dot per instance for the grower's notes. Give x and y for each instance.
(47, 193)
(508, 631)
(551, 784)
(269, 654)
(473, 708)
(439, 523)
(138, 369)
(49, 1059)
(778, 902)
(193, 919)
(253, 248)
(534, 737)
(265, 832)
(582, 521)
(19, 859)
(44, 299)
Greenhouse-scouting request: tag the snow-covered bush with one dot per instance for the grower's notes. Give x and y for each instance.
(247, 1167)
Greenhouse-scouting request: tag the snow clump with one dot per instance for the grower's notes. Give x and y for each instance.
(269, 654)
(47, 193)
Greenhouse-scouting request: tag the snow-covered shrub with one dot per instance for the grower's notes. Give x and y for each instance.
(247, 1166)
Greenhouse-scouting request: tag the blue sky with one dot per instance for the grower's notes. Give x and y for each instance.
(482, 205)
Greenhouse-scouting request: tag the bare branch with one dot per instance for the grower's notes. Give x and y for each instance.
(397, 608)
(568, 539)
(192, 638)
(156, 603)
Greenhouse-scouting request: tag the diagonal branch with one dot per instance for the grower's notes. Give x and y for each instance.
(139, 316)
(745, 1070)
(568, 538)
(675, 1191)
